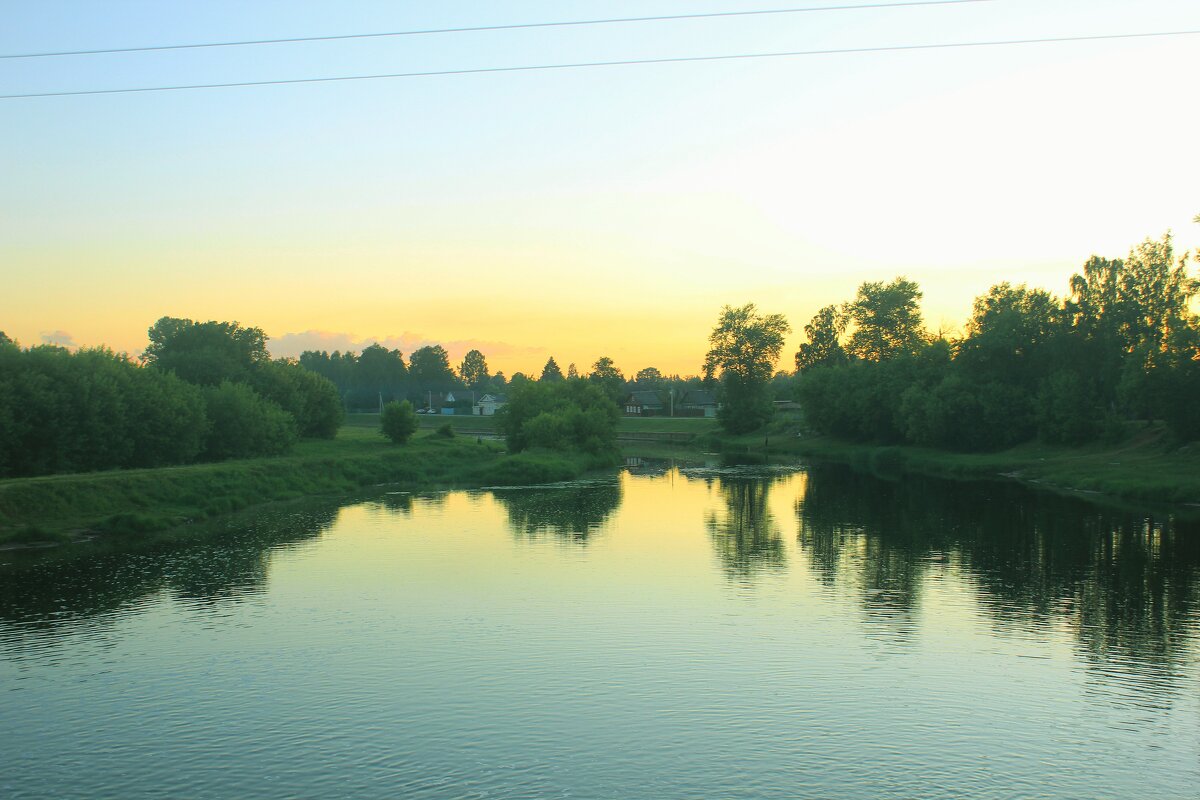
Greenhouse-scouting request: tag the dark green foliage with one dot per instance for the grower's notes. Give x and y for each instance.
(551, 372)
(398, 421)
(743, 349)
(568, 416)
(473, 371)
(310, 398)
(242, 423)
(206, 353)
(1180, 388)
(445, 431)
(887, 320)
(823, 348)
(169, 420)
(93, 409)
(649, 378)
(1124, 346)
(429, 368)
(606, 375)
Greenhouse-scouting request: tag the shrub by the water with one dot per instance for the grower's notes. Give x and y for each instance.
(568, 416)
(398, 421)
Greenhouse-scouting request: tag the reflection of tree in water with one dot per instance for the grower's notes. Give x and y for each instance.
(1126, 585)
(400, 502)
(744, 533)
(573, 512)
(215, 565)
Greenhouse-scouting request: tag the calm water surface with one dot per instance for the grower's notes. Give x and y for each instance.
(691, 632)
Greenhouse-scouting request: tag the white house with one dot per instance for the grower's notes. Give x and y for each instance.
(489, 404)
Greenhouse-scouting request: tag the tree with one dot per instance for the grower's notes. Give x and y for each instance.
(649, 377)
(430, 369)
(551, 371)
(310, 398)
(398, 421)
(887, 320)
(572, 372)
(569, 416)
(205, 353)
(1007, 335)
(606, 375)
(823, 348)
(473, 371)
(245, 424)
(743, 349)
(379, 371)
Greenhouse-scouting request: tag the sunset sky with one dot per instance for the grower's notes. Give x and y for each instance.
(582, 212)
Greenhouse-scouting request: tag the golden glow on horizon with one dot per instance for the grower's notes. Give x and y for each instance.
(592, 215)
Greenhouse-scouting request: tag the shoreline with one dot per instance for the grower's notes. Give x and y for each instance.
(117, 505)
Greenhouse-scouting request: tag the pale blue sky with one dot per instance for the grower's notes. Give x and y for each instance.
(569, 212)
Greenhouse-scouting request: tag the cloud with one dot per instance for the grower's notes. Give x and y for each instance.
(291, 345)
(60, 338)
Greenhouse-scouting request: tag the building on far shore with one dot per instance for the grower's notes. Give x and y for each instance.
(489, 404)
(698, 400)
(643, 404)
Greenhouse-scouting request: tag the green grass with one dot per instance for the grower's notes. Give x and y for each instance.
(137, 502)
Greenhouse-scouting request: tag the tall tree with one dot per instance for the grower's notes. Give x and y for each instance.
(824, 347)
(551, 372)
(649, 377)
(743, 349)
(606, 375)
(474, 370)
(430, 369)
(887, 320)
(572, 372)
(205, 352)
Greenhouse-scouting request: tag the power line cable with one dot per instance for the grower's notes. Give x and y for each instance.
(481, 28)
(626, 62)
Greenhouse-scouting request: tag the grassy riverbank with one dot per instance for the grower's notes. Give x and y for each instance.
(59, 508)
(1144, 468)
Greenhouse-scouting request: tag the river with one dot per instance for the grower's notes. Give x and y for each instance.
(671, 632)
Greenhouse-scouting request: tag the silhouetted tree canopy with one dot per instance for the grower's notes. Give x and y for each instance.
(473, 371)
(823, 348)
(887, 320)
(551, 371)
(743, 349)
(205, 353)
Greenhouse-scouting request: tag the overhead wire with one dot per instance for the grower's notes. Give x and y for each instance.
(622, 62)
(483, 28)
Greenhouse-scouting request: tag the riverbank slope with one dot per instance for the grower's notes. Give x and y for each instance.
(59, 508)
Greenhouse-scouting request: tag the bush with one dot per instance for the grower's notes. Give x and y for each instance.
(445, 431)
(310, 398)
(90, 410)
(398, 421)
(1067, 411)
(245, 424)
(568, 416)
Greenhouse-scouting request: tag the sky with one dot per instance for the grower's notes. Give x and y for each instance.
(577, 213)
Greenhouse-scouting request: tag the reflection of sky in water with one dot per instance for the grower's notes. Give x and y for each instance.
(743, 632)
